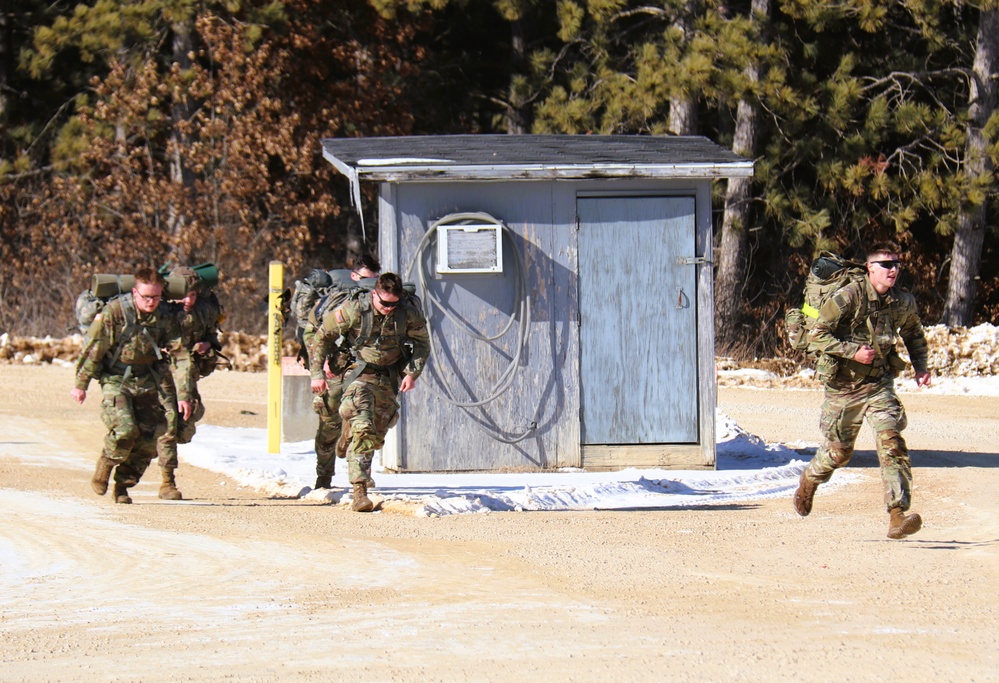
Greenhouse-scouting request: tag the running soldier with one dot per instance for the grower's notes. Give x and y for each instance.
(125, 353)
(389, 344)
(326, 404)
(856, 333)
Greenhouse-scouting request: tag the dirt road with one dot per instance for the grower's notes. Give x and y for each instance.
(232, 586)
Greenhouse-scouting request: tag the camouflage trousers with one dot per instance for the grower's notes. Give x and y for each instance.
(178, 429)
(327, 407)
(843, 413)
(369, 409)
(134, 415)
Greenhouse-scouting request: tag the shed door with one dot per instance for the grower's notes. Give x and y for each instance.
(637, 318)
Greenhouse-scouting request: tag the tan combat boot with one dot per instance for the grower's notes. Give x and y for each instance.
(121, 494)
(101, 475)
(361, 501)
(168, 489)
(803, 496)
(344, 441)
(901, 524)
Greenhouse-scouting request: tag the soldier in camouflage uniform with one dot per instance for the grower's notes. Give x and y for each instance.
(327, 403)
(380, 326)
(855, 335)
(126, 351)
(199, 314)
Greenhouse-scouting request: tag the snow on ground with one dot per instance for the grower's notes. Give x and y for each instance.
(747, 469)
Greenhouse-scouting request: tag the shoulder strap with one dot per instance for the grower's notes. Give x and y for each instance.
(367, 323)
(131, 327)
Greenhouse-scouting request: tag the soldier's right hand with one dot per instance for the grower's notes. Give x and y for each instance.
(318, 386)
(865, 355)
(78, 395)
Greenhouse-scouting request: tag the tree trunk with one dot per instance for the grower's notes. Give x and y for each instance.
(4, 59)
(733, 251)
(183, 45)
(682, 118)
(518, 116)
(966, 254)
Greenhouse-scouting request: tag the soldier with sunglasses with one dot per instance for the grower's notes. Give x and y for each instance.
(858, 328)
(389, 341)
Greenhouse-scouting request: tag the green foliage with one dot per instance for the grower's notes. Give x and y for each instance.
(197, 121)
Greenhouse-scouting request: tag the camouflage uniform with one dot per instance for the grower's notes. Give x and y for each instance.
(327, 406)
(200, 324)
(854, 316)
(371, 383)
(135, 383)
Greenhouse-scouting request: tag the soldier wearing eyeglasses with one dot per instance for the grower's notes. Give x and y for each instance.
(858, 329)
(128, 349)
(389, 342)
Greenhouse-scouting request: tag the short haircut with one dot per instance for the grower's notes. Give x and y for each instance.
(366, 261)
(390, 283)
(882, 248)
(147, 275)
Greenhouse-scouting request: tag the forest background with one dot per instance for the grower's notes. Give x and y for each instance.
(187, 131)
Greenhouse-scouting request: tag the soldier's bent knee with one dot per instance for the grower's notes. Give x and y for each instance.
(840, 452)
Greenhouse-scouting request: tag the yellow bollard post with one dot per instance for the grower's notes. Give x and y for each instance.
(275, 323)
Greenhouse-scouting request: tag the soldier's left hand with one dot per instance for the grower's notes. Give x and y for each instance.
(923, 379)
(185, 408)
(407, 383)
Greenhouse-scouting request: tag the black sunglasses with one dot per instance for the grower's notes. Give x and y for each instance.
(387, 304)
(888, 265)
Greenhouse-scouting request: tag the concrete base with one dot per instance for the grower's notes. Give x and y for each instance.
(298, 421)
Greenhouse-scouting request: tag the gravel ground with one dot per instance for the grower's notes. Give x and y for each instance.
(229, 585)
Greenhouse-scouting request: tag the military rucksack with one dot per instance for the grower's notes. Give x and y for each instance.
(87, 308)
(827, 275)
(336, 296)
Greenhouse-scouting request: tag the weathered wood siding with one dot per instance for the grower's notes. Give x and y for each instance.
(436, 435)
(638, 324)
(544, 399)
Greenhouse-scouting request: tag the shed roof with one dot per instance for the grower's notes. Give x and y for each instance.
(532, 157)
(529, 157)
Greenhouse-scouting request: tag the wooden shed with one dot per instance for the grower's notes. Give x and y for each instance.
(568, 281)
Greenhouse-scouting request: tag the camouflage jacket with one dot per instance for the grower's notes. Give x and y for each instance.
(154, 332)
(857, 315)
(384, 342)
(201, 323)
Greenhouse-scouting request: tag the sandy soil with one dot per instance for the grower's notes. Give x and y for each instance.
(229, 585)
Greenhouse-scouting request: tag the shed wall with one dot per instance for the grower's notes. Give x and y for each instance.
(536, 421)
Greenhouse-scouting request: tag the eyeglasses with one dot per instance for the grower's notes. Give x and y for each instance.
(142, 296)
(387, 304)
(888, 265)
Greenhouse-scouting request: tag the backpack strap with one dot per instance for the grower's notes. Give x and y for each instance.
(367, 323)
(131, 327)
(365, 337)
